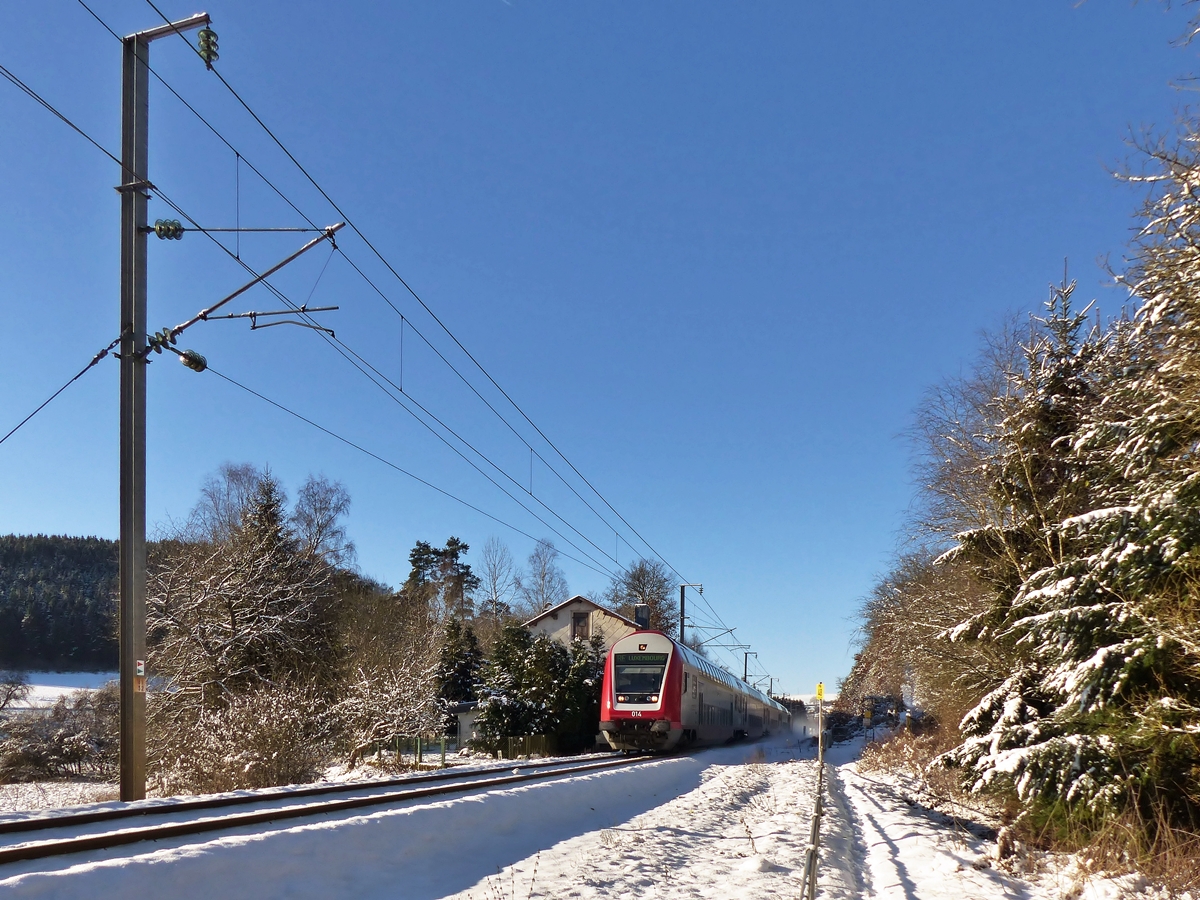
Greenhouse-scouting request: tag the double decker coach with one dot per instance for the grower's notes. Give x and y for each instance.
(659, 694)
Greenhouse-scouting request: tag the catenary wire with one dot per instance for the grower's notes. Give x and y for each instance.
(363, 275)
(18, 83)
(346, 353)
(389, 302)
(158, 192)
(378, 458)
(95, 359)
(415, 295)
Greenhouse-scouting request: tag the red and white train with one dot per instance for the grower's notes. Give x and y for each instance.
(659, 695)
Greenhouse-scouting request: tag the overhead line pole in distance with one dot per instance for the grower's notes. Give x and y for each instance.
(134, 190)
(683, 605)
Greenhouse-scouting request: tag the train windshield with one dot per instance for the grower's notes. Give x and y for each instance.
(639, 673)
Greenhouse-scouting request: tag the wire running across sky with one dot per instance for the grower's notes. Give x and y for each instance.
(701, 613)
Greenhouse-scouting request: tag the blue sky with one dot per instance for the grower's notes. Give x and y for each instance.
(717, 252)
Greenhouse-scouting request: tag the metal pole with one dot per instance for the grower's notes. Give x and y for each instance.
(683, 606)
(135, 113)
(135, 116)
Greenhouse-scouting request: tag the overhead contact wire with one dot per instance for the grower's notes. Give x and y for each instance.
(416, 296)
(378, 458)
(180, 211)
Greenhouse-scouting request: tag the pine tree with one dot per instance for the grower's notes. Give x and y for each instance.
(459, 664)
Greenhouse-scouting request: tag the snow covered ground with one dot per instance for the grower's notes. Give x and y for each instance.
(46, 687)
(727, 823)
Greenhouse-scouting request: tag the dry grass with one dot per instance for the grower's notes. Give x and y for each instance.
(908, 754)
(1166, 856)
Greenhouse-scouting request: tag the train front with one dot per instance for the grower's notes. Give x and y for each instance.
(640, 708)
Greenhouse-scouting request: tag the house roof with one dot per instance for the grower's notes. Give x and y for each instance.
(579, 598)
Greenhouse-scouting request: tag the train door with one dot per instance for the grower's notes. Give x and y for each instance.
(687, 702)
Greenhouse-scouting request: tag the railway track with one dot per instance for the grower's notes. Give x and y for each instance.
(375, 793)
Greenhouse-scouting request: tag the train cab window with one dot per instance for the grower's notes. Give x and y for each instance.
(579, 627)
(639, 676)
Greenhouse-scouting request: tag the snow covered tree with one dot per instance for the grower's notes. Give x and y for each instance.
(1094, 575)
(250, 610)
(390, 690)
(238, 624)
(77, 736)
(14, 688)
(459, 664)
(535, 685)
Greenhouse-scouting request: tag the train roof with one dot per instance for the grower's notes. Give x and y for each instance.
(715, 672)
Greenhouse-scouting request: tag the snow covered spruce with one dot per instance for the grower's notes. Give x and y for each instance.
(1048, 617)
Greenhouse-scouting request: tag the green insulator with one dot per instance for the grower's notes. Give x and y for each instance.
(168, 229)
(208, 46)
(193, 360)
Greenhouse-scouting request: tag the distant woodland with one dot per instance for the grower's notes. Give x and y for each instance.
(57, 602)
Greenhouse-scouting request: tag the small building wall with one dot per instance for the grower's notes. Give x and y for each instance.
(466, 726)
(557, 623)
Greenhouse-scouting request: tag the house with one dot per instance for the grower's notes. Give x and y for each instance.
(466, 713)
(579, 619)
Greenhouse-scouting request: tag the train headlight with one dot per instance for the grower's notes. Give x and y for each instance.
(622, 699)
(654, 698)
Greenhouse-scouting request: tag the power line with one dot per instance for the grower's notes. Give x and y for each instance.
(354, 227)
(386, 462)
(30, 92)
(420, 334)
(95, 359)
(180, 211)
(22, 86)
(346, 352)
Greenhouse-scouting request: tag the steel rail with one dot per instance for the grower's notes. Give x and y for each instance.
(171, 806)
(104, 840)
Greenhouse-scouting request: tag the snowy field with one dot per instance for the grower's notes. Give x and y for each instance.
(46, 687)
(727, 823)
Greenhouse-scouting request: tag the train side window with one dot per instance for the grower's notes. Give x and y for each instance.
(685, 682)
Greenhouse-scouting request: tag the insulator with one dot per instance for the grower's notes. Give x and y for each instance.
(168, 229)
(208, 46)
(193, 360)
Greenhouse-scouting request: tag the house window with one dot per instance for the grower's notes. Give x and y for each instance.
(580, 630)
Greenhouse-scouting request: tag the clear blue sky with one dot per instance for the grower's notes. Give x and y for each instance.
(717, 252)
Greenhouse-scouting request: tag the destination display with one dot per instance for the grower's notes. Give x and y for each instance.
(641, 659)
